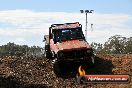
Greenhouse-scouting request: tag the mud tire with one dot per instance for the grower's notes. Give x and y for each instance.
(47, 52)
(90, 62)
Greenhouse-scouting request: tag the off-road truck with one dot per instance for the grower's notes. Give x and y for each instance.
(66, 42)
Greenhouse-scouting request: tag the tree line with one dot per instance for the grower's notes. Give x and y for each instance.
(12, 49)
(116, 44)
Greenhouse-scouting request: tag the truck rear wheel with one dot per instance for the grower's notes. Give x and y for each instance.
(47, 55)
(47, 52)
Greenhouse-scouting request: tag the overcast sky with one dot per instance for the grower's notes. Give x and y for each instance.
(27, 21)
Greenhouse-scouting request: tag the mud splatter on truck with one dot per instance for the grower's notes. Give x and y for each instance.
(66, 42)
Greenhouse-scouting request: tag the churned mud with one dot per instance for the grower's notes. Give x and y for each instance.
(30, 72)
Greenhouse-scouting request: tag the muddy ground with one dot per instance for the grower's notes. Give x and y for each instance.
(16, 72)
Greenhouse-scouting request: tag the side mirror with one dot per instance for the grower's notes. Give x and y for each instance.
(44, 40)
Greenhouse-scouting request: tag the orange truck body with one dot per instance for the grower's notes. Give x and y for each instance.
(67, 42)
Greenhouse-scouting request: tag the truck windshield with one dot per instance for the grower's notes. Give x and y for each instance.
(68, 34)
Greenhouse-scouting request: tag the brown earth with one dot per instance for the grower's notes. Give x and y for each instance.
(16, 72)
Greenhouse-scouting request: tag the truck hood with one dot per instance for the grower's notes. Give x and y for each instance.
(73, 44)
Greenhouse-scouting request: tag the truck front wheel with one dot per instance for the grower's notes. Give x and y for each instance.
(90, 62)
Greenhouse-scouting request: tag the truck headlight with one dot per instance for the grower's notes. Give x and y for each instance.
(88, 51)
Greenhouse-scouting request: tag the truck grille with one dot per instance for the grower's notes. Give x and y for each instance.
(74, 54)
